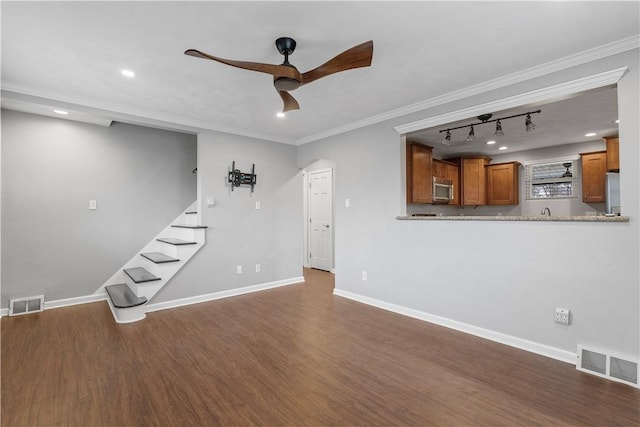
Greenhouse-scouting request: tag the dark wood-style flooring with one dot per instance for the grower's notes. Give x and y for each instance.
(291, 356)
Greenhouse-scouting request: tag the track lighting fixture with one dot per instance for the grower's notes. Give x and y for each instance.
(484, 118)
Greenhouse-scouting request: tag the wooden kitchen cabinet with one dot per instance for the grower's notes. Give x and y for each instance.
(613, 153)
(594, 169)
(419, 176)
(503, 184)
(473, 191)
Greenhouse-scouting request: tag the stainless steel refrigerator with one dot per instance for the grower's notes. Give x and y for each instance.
(613, 193)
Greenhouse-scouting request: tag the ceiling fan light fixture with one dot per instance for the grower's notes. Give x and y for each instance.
(286, 84)
(529, 125)
(472, 135)
(499, 131)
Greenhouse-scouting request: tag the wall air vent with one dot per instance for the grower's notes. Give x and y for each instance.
(26, 305)
(606, 365)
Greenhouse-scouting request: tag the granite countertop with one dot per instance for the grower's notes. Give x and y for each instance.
(517, 218)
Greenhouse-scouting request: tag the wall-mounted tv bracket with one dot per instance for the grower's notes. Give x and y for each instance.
(237, 178)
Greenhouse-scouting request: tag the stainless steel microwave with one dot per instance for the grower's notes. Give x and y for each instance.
(442, 190)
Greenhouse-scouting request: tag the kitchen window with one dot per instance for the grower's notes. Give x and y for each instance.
(551, 179)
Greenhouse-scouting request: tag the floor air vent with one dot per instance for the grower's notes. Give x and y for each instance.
(26, 305)
(608, 366)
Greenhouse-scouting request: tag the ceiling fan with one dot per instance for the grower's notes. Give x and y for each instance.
(286, 77)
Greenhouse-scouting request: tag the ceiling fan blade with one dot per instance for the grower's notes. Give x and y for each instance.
(275, 70)
(289, 101)
(356, 57)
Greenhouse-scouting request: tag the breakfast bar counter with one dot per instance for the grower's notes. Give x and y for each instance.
(590, 218)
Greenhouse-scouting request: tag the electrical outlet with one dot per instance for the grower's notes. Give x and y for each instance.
(364, 275)
(562, 315)
(93, 205)
(258, 206)
(238, 269)
(258, 268)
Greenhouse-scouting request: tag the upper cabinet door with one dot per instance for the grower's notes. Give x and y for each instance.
(613, 153)
(473, 181)
(503, 184)
(419, 178)
(594, 169)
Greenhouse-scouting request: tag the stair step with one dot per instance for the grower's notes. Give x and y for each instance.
(174, 241)
(140, 275)
(189, 226)
(159, 257)
(191, 212)
(122, 297)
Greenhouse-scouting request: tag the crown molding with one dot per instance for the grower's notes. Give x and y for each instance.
(561, 90)
(593, 54)
(121, 113)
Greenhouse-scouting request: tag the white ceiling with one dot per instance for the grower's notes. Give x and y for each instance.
(70, 54)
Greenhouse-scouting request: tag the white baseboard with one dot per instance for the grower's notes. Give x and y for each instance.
(174, 303)
(533, 347)
(222, 294)
(66, 302)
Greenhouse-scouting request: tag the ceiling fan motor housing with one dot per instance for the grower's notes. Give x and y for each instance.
(285, 45)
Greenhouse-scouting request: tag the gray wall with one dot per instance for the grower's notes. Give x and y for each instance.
(502, 276)
(52, 243)
(239, 234)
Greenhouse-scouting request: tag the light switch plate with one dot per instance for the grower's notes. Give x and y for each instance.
(93, 205)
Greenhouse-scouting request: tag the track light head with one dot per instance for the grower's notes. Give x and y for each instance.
(447, 138)
(472, 135)
(529, 125)
(499, 131)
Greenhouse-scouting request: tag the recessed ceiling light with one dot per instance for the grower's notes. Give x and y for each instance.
(280, 114)
(64, 113)
(490, 142)
(503, 147)
(590, 134)
(618, 121)
(128, 73)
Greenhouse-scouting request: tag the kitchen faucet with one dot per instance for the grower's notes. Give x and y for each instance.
(546, 212)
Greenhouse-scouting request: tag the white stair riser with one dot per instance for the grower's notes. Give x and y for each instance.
(182, 233)
(127, 315)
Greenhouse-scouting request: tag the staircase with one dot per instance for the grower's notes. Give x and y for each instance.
(142, 277)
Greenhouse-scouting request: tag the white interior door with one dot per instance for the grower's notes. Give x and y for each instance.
(320, 219)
